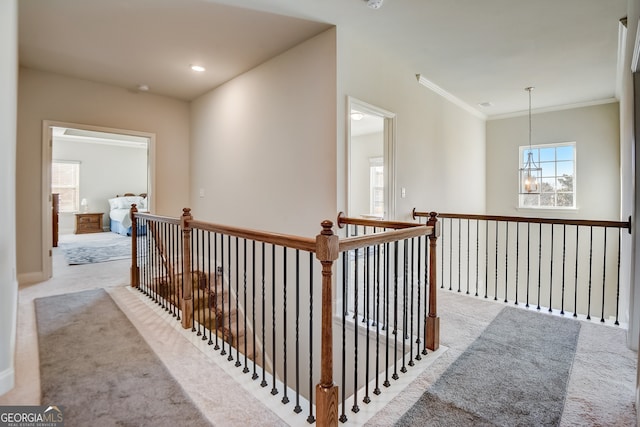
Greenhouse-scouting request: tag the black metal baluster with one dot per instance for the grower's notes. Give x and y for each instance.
(245, 306)
(230, 323)
(264, 341)
(427, 283)
(506, 259)
(477, 254)
(254, 376)
(222, 317)
(459, 254)
(237, 315)
(604, 273)
(575, 286)
(495, 280)
(386, 382)
(195, 293)
(395, 311)
(355, 408)
(345, 267)
(517, 258)
(405, 285)
(310, 418)
(218, 277)
(468, 253)
(442, 253)
(564, 257)
(285, 398)
(539, 264)
(486, 259)
(618, 279)
(551, 272)
(411, 363)
(297, 409)
(274, 389)
(419, 318)
(451, 253)
(376, 390)
(205, 295)
(528, 259)
(180, 269)
(590, 266)
(211, 291)
(367, 287)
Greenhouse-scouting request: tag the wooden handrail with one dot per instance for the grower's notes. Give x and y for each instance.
(585, 222)
(366, 240)
(327, 247)
(289, 241)
(157, 218)
(344, 220)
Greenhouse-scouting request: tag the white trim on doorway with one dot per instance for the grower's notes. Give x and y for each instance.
(47, 144)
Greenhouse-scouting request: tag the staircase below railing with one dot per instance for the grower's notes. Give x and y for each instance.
(562, 266)
(254, 297)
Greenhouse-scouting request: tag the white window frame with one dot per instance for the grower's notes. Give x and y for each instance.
(523, 150)
(76, 202)
(374, 164)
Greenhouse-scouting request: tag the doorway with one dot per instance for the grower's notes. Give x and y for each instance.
(106, 162)
(371, 161)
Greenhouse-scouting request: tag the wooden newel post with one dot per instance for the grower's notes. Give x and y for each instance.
(186, 305)
(135, 270)
(327, 251)
(432, 325)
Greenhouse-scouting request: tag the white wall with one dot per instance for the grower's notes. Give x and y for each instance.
(596, 133)
(440, 148)
(263, 144)
(47, 96)
(105, 171)
(8, 100)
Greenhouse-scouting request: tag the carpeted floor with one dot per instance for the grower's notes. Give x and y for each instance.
(95, 364)
(99, 247)
(600, 391)
(508, 376)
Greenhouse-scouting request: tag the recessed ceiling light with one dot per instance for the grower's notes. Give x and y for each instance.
(198, 68)
(143, 88)
(486, 104)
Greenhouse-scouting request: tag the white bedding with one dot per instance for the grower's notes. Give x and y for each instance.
(120, 208)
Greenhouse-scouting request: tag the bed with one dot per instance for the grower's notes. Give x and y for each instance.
(120, 215)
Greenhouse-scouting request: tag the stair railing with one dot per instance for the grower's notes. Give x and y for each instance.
(564, 266)
(234, 287)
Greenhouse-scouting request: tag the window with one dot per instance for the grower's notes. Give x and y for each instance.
(376, 186)
(558, 187)
(65, 179)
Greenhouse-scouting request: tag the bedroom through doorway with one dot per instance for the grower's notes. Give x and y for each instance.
(87, 172)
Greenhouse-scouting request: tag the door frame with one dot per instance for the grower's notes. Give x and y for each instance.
(389, 134)
(47, 149)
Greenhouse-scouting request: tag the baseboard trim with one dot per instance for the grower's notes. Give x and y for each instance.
(7, 380)
(29, 278)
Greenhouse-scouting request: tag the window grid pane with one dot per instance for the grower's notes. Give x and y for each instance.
(557, 188)
(65, 177)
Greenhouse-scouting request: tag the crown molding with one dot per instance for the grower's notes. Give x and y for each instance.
(636, 50)
(554, 108)
(449, 97)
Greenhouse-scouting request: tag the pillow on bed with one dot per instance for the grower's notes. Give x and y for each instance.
(113, 203)
(125, 202)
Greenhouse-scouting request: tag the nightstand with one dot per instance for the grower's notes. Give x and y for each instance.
(88, 223)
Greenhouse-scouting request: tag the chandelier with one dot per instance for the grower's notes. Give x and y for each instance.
(530, 173)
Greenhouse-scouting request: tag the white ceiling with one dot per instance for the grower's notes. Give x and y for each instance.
(478, 51)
